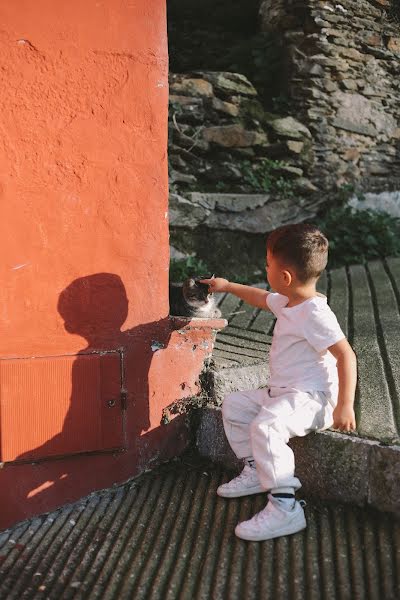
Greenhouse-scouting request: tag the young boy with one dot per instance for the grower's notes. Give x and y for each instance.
(312, 381)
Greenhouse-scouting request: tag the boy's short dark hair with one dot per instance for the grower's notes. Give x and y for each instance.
(302, 247)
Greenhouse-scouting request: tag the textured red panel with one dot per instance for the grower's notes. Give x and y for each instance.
(59, 405)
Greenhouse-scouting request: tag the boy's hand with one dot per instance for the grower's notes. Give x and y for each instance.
(344, 418)
(216, 284)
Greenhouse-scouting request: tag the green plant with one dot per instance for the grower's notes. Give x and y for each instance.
(221, 186)
(358, 236)
(182, 268)
(265, 176)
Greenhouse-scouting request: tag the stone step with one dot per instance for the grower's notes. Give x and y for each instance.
(362, 468)
(167, 535)
(366, 300)
(330, 465)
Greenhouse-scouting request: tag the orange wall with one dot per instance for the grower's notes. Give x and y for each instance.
(84, 247)
(83, 109)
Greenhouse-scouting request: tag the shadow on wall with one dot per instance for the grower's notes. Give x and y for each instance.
(109, 404)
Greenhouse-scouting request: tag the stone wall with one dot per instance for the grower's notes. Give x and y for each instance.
(236, 171)
(232, 164)
(343, 70)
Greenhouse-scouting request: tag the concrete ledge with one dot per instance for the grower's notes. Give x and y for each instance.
(331, 466)
(219, 382)
(198, 323)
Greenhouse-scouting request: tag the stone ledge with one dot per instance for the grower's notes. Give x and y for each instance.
(224, 381)
(330, 465)
(187, 323)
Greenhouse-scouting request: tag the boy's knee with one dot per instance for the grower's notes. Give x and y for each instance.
(266, 425)
(231, 405)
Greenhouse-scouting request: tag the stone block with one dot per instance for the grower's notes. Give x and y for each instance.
(225, 381)
(183, 213)
(234, 136)
(225, 107)
(185, 100)
(211, 440)
(393, 45)
(229, 202)
(333, 466)
(330, 466)
(192, 87)
(349, 84)
(384, 480)
(349, 125)
(351, 53)
(289, 128)
(229, 83)
(352, 154)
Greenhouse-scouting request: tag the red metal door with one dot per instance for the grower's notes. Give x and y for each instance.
(56, 406)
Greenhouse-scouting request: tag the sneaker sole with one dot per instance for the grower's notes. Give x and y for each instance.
(238, 494)
(260, 538)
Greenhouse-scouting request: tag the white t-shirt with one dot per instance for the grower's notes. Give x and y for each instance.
(299, 358)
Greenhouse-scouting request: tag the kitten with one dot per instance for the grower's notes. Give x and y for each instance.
(192, 299)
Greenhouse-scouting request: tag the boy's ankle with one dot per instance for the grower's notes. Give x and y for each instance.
(284, 497)
(283, 492)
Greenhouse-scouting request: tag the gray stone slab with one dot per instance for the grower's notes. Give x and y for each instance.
(333, 466)
(388, 324)
(245, 335)
(243, 343)
(244, 316)
(241, 360)
(374, 409)
(384, 481)
(264, 322)
(229, 305)
(211, 440)
(219, 382)
(222, 362)
(330, 465)
(394, 268)
(339, 298)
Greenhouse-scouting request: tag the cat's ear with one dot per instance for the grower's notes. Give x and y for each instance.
(191, 282)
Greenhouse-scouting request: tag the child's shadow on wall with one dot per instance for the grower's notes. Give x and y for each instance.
(95, 308)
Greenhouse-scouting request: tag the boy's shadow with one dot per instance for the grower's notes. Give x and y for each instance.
(95, 308)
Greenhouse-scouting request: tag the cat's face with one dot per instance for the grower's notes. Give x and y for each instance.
(196, 293)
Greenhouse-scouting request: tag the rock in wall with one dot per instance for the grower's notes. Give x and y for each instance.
(343, 65)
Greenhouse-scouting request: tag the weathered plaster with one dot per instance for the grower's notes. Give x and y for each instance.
(84, 239)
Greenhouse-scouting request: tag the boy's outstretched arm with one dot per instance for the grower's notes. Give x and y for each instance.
(251, 295)
(343, 415)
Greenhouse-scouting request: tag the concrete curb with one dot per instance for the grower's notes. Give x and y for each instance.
(330, 465)
(219, 382)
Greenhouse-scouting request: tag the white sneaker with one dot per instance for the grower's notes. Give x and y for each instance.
(273, 521)
(243, 485)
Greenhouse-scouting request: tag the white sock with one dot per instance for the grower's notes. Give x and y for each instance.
(285, 503)
(284, 497)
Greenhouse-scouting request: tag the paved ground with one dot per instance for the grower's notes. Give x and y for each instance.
(166, 535)
(366, 301)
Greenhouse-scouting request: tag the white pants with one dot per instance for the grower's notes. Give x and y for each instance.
(259, 423)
